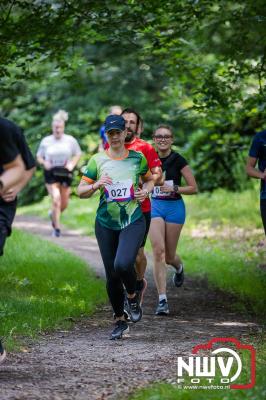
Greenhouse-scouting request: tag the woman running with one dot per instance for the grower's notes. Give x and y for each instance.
(168, 214)
(58, 153)
(119, 224)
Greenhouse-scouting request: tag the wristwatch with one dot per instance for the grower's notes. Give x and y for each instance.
(147, 194)
(176, 188)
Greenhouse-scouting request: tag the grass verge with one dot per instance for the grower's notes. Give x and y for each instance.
(42, 288)
(232, 267)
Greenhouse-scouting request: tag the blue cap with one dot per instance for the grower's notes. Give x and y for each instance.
(114, 122)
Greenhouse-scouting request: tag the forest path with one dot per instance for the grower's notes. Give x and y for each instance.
(83, 364)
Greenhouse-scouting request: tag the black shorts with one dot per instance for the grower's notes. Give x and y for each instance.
(147, 216)
(263, 213)
(58, 175)
(7, 214)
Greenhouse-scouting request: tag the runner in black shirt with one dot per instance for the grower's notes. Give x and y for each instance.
(13, 144)
(168, 214)
(12, 173)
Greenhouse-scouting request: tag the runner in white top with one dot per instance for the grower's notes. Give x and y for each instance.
(58, 154)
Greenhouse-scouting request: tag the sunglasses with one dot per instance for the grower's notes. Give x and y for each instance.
(162, 137)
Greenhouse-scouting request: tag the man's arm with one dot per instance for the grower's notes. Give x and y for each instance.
(11, 193)
(13, 173)
(28, 163)
(252, 171)
(154, 164)
(157, 175)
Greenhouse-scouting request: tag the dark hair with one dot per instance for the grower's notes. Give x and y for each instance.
(168, 127)
(132, 111)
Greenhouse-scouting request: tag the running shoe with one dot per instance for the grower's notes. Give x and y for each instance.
(134, 308)
(56, 233)
(141, 287)
(162, 308)
(121, 327)
(178, 277)
(2, 352)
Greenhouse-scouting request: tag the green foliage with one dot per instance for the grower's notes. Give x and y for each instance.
(219, 148)
(198, 65)
(42, 288)
(218, 160)
(178, 35)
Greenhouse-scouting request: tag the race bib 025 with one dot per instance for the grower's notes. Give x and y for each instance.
(120, 191)
(159, 194)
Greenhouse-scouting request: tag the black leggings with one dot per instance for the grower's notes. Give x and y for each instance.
(119, 250)
(263, 213)
(7, 214)
(3, 236)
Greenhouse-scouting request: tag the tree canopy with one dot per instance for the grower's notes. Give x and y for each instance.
(176, 33)
(196, 64)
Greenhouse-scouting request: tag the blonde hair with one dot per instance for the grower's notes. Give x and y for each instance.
(61, 115)
(115, 110)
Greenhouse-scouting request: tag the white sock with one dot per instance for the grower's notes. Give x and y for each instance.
(180, 268)
(162, 297)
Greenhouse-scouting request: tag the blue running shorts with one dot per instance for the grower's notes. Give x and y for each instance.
(172, 211)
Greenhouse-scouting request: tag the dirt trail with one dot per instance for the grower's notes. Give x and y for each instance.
(83, 364)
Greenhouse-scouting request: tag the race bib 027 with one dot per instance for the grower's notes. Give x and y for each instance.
(120, 191)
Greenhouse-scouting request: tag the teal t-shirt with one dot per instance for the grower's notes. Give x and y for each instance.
(118, 207)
